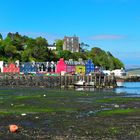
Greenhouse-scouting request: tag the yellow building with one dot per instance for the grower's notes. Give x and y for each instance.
(80, 69)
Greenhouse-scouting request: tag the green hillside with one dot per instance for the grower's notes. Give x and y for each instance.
(26, 49)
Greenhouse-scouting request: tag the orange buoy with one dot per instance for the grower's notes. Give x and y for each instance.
(13, 128)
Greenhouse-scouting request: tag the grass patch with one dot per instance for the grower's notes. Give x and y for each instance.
(117, 112)
(35, 110)
(117, 100)
(114, 131)
(24, 97)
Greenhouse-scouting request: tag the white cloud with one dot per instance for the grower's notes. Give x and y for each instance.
(107, 37)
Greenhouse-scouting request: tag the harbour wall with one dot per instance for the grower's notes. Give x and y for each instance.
(17, 80)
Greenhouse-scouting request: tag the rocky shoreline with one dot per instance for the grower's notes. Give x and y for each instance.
(128, 79)
(68, 115)
(132, 79)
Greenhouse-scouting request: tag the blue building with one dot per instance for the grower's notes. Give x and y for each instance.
(28, 67)
(89, 66)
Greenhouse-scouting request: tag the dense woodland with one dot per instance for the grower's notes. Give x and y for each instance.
(25, 49)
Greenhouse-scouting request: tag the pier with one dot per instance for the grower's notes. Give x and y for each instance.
(68, 81)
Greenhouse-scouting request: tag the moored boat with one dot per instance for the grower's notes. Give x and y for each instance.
(83, 83)
(79, 83)
(120, 84)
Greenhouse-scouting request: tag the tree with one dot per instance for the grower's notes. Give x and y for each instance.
(117, 63)
(104, 59)
(84, 47)
(41, 42)
(64, 54)
(40, 53)
(77, 55)
(25, 56)
(2, 52)
(38, 49)
(10, 51)
(1, 38)
(59, 44)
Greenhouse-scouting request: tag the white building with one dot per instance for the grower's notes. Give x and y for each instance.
(1, 66)
(107, 72)
(52, 47)
(119, 72)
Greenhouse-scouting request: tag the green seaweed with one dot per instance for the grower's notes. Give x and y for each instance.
(117, 112)
(117, 99)
(114, 131)
(27, 97)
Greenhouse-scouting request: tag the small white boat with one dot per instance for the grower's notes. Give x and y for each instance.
(120, 84)
(83, 83)
(79, 83)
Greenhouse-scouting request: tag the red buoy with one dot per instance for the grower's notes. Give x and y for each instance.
(13, 128)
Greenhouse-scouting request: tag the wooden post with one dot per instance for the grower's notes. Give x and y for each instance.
(100, 80)
(95, 81)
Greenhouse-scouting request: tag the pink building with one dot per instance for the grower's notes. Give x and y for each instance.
(61, 66)
(70, 66)
(65, 66)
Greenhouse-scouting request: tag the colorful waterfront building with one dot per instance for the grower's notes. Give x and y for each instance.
(45, 67)
(61, 66)
(80, 67)
(28, 67)
(1, 66)
(41, 67)
(89, 66)
(70, 66)
(11, 68)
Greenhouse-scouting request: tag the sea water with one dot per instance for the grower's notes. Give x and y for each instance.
(129, 88)
(132, 88)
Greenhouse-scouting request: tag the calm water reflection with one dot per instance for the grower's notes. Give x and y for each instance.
(129, 88)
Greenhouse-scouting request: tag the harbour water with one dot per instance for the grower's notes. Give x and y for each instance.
(129, 89)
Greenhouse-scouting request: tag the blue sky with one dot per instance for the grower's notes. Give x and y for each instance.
(112, 25)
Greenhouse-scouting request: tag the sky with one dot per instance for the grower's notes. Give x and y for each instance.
(112, 25)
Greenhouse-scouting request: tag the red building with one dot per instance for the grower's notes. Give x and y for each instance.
(11, 68)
